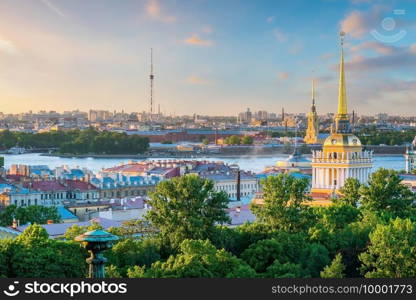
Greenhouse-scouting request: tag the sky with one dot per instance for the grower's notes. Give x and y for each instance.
(211, 57)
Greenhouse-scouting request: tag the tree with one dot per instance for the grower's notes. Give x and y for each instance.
(35, 255)
(286, 270)
(198, 259)
(392, 251)
(284, 206)
(335, 269)
(247, 140)
(386, 194)
(232, 140)
(129, 252)
(350, 192)
(29, 214)
(286, 248)
(76, 230)
(186, 207)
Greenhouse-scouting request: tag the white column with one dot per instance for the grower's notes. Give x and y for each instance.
(321, 178)
(342, 177)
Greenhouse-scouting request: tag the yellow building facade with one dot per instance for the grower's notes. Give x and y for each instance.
(342, 156)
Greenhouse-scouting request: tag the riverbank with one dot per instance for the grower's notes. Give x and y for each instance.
(228, 152)
(249, 163)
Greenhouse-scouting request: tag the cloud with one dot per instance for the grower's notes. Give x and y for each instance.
(399, 58)
(154, 10)
(279, 35)
(7, 46)
(359, 23)
(283, 75)
(53, 8)
(295, 48)
(197, 41)
(270, 19)
(375, 46)
(413, 48)
(207, 29)
(196, 80)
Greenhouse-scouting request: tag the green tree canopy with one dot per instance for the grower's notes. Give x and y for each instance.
(386, 194)
(199, 259)
(284, 206)
(247, 140)
(186, 207)
(32, 254)
(350, 192)
(335, 269)
(392, 251)
(29, 214)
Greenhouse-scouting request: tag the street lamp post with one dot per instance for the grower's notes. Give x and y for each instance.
(96, 242)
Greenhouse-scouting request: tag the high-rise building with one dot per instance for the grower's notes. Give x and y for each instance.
(312, 131)
(342, 156)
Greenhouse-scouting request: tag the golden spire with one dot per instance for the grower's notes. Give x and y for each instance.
(342, 95)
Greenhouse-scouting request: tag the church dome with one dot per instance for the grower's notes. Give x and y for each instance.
(342, 140)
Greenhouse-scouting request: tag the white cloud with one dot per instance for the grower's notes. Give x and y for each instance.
(279, 35)
(7, 47)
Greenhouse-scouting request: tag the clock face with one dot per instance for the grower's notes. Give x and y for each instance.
(334, 141)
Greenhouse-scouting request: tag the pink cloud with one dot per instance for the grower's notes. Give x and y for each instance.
(283, 75)
(196, 40)
(196, 80)
(375, 46)
(359, 23)
(154, 10)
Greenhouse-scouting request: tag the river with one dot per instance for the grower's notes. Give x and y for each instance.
(248, 163)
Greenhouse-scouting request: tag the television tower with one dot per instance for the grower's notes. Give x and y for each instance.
(151, 76)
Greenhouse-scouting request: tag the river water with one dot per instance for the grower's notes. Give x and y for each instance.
(248, 163)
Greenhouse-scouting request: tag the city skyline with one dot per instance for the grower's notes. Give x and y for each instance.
(211, 58)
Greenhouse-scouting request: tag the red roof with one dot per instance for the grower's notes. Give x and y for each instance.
(45, 185)
(135, 167)
(79, 185)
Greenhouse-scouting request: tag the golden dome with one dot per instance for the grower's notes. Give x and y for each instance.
(342, 140)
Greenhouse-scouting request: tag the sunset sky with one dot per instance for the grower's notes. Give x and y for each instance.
(214, 57)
